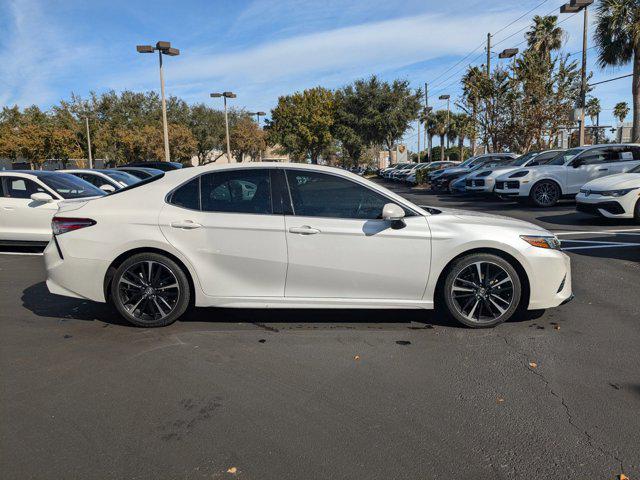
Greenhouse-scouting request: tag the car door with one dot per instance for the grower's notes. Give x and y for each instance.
(339, 247)
(23, 219)
(225, 224)
(591, 164)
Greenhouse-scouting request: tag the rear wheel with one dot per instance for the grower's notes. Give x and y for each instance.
(150, 290)
(545, 194)
(482, 290)
(636, 213)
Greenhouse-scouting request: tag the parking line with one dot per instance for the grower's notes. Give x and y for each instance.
(591, 247)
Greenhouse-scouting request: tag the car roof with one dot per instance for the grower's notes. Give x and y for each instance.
(35, 173)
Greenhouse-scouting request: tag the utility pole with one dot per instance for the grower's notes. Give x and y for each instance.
(86, 121)
(426, 120)
(488, 54)
(418, 136)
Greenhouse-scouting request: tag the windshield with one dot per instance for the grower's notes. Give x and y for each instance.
(521, 160)
(121, 177)
(467, 162)
(564, 157)
(69, 186)
(139, 183)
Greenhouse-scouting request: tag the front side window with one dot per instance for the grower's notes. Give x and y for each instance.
(237, 191)
(323, 195)
(596, 156)
(18, 187)
(563, 158)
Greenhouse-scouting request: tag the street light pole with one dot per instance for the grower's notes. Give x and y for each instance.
(86, 121)
(258, 115)
(163, 48)
(226, 95)
(575, 6)
(447, 98)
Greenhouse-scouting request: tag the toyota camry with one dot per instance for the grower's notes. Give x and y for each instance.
(296, 236)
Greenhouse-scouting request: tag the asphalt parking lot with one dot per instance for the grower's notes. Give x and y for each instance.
(298, 394)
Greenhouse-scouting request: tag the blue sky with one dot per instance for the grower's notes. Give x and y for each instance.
(260, 49)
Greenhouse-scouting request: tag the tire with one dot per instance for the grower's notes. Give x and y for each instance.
(470, 297)
(636, 212)
(150, 290)
(545, 193)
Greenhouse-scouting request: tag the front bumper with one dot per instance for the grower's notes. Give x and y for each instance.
(610, 207)
(550, 279)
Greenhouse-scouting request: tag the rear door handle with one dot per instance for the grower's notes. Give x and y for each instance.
(186, 225)
(304, 230)
(603, 169)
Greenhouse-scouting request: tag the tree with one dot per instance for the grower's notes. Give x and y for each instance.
(471, 85)
(247, 138)
(440, 128)
(301, 123)
(618, 41)
(350, 126)
(207, 128)
(545, 35)
(593, 109)
(620, 111)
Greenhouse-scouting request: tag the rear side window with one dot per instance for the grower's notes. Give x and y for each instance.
(188, 195)
(237, 191)
(628, 154)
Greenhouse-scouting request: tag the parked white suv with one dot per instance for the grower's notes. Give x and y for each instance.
(615, 196)
(484, 180)
(29, 199)
(563, 176)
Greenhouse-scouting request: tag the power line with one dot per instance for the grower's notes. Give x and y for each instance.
(610, 80)
(520, 17)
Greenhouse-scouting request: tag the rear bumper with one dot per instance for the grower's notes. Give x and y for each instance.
(74, 277)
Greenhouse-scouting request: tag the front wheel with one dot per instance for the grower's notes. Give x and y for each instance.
(545, 194)
(482, 290)
(636, 213)
(150, 290)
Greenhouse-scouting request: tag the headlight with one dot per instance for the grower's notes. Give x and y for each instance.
(519, 174)
(615, 193)
(542, 241)
(484, 174)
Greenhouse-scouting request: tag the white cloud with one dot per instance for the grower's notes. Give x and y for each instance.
(34, 55)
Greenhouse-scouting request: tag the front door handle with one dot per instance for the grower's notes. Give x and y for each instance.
(304, 230)
(603, 169)
(186, 225)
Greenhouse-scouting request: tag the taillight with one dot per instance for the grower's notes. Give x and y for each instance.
(61, 225)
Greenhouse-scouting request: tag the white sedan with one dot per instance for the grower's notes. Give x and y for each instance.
(302, 236)
(106, 179)
(30, 198)
(615, 196)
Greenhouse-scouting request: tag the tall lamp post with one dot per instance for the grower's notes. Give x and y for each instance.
(163, 48)
(446, 97)
(258, 115)
(225, 95)
(575, 6)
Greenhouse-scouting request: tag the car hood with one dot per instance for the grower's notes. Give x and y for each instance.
(480, 218)
(538, 169)
(614, 182)
(453, 171)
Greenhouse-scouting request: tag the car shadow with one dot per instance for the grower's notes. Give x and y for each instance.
(577, 219)
(38, 300)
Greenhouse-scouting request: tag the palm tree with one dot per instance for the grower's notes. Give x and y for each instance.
(618, 40)
(592, 109)
(545, 35)
(440, 121)
(432, 131)
(471, 91)
(620, 111)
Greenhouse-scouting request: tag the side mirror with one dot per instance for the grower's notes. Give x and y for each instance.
(41, 197)
(576, 163)
(107, 188)
(395, 214)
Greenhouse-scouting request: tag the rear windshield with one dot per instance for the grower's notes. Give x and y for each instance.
(139, 183)
(69, 186)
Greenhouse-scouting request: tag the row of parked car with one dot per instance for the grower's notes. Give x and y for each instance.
(29, 198)
(604, 179)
